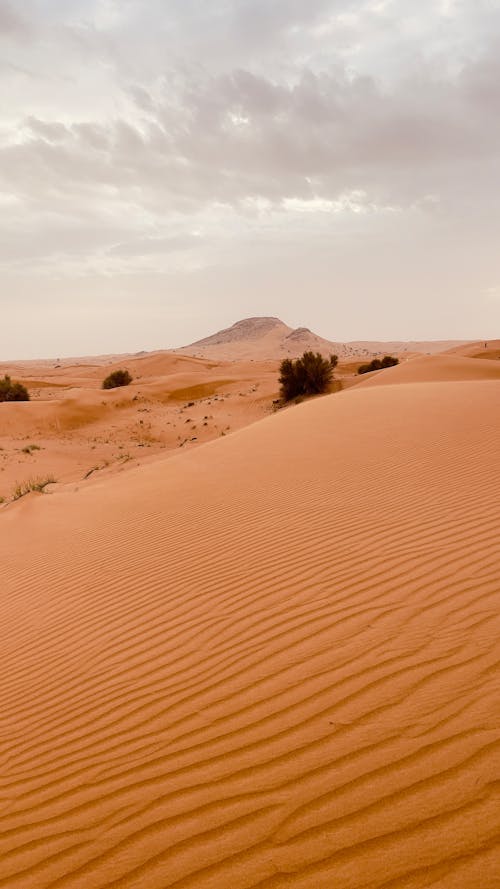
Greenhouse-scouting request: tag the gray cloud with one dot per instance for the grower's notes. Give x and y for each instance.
(10, 21)
(184, 137)
(240, 135)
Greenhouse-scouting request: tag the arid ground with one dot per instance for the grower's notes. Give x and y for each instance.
(249, 648)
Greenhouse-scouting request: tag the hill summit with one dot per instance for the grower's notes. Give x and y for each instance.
(246, 329)
(260, 338)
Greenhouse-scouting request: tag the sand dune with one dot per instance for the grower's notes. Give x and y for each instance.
(433, 369)
(482, 349)
(270, 662)
(72, 427)
(406, 347)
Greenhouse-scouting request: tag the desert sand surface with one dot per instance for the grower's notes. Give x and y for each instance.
(270, 661)
(481, 349)
(432, 369)
(72, 430)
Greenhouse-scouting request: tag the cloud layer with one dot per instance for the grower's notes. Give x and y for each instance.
(332, 162)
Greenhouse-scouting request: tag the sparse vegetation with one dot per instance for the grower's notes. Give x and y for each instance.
(30, 448)
(12, 391)
(309, 375)
(117, 378)
(32, 484)
(378, 364)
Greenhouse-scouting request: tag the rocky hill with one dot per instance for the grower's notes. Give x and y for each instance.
(270, 338)
(261, 338)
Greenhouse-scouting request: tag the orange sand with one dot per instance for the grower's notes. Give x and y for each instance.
(268, 662)
(81, 431)
(434, 368)
(72, 431)
(482, 349)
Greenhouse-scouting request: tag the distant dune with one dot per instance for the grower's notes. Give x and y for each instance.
(73, 431)
(255, 339)
(270, 662)
(481, 349)
(435, 368)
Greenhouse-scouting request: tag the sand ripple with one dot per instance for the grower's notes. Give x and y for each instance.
(271, 662)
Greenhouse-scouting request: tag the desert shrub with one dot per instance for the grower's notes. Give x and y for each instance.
(117, 378)
(378, 364)
(30, 448)
(309, 375)
(389, 361)
(10, 391)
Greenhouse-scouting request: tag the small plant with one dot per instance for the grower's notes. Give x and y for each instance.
(30, 448)
(10, 391)
(309, 375)
(117, 378)
(32, 484)
(378, 364)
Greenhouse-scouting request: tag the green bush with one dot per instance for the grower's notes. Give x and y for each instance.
(309, 375)
(10, 391)
(117, 378)
(378, 364)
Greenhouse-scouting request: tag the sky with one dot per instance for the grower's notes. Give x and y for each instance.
(168, 167)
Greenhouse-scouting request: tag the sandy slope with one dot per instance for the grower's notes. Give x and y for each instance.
(269, 662)
(433, 369)
(71, 427)
(483, 349)
(72, 430)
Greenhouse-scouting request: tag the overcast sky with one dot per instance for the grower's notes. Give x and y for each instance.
(168, 167)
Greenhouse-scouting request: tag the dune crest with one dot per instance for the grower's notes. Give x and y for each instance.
(434, 369)
(270, 662)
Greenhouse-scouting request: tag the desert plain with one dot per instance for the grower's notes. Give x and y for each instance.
(247, 647)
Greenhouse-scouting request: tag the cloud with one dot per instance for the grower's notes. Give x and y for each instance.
(225, 138)
(10, 21)
(190, 135)
(49, 131)
(153, 246)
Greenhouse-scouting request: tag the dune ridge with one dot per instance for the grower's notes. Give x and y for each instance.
(434, 369)
(269, 662)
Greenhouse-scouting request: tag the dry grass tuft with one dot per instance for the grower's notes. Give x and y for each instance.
(32, 484)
